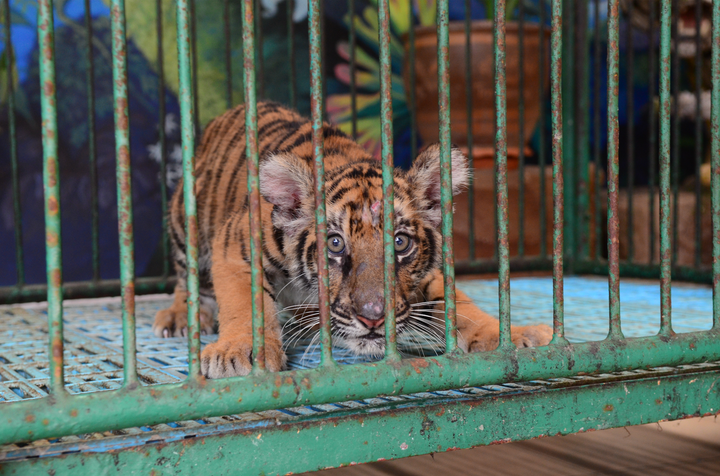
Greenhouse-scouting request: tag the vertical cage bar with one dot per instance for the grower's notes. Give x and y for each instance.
(469, 113)
(386, 129)
(17, 212)
(124, 189)
(187, 130)
(521, 131)
(652, 146)
(541, 136)
(90, 79)
(291, 53)
(194, 67)
(317, 111)
(260, 57)
(698, 131)
(675, 133)
(411, 93)
(51, 188)
(162, 138)
(665, 111)
(556, 49)
(353, 89)
(596, 128)
(228, 54)
(446, 200)
(630, 130)
(501, 175)
(613, 219)
(715, 158)
(253, 183)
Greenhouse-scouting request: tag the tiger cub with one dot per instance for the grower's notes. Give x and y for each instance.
(355, 243)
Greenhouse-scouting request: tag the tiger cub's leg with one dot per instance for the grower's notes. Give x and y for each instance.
(173, 322)
(479, 331)
(232, 354)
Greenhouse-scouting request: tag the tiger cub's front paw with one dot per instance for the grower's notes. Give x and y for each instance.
(233, 357)
(173, 321)
(525, 336)
(532, 336)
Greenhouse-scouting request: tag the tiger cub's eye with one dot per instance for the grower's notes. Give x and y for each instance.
(336, 244)
(402, 243)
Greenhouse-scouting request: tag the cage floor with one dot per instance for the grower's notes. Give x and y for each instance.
(93, 351)
(93, 331)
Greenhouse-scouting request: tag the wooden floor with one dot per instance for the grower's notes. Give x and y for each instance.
(682, 447)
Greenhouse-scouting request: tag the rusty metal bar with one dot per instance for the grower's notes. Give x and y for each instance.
(556, 48)
(51, 188)
(194, 66)
(253, 184)
(386, 132)
(187, 124)
(613, 219)
(448, 266)
(17, 212)
(503, 243)
(103, 411)
(124, 189)
(665, 112)
(317, 110)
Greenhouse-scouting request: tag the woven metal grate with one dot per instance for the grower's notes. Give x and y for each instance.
(93, 352)
(93, 331)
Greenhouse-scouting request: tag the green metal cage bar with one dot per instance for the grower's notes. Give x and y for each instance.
(665, 105)
(253, 184)
(448, 261)
(388, 168)
(556, 89)
(124, 189)
(104, 411)
(613, 219)
(317, 108)
(187, 124)
(51, 188)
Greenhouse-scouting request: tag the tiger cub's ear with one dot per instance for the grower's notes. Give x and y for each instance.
(286, 181)
(424, 176)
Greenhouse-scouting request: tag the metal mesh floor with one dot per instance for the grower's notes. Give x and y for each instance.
(93, 331)
(93, 351)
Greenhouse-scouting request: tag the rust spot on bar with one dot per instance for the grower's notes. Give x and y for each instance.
(30, 418)
(608, 408)
(73, 413)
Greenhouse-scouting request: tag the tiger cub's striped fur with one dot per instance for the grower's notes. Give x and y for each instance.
(354, 217)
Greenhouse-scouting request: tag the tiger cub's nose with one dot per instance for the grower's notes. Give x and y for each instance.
(372, 314)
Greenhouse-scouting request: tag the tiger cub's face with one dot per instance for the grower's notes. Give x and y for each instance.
(355, 237)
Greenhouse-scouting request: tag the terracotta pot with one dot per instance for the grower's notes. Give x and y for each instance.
(483, 126)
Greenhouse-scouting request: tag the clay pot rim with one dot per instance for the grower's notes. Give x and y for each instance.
(478, 25)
